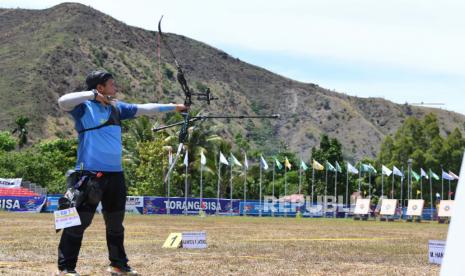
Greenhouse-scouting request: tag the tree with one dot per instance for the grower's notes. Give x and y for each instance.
(7, 142)
(22, 130)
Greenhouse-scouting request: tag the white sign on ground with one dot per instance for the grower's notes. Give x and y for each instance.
(194, 240)
(362, 206)
(445, 208)
(388, 207)
(452, 264)
(189, 240)
(415, 207)
(436, 251)
(66, 218)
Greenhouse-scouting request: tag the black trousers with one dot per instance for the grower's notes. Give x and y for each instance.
(113, 202)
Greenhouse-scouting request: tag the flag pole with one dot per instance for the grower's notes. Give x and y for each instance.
(335, 192)
(185, 186)
(313, 185)
(347, 186)
(285, 189)
(402, 191)
(326, 188)
(369, 184)
(245, 190)
(260, 193)
(382, 184)
(392, 188)
(360, 179)
(421, 186)
(449, 190)
(431, 194)
(442, 186)
(168, 210)
(201, 186)
(230, 185)
(300, 173)
(218, 188)
(272, 188)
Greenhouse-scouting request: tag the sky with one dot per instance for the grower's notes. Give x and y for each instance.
(405, 51)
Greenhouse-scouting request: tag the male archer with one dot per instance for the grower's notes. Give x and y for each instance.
(98, 117)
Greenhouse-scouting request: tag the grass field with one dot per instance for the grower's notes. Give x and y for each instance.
(237, 245)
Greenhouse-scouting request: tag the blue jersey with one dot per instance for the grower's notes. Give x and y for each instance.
(100, 149)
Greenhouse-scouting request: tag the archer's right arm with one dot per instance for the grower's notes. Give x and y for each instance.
(69, 101)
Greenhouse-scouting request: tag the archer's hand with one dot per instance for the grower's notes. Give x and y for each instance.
(181, 108)
(103, 99)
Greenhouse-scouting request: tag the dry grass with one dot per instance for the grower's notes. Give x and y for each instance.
(237, 246)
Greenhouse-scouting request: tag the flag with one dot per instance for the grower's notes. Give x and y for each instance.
(203, 159)
(235, 161)
(424, 174)
(416, 176)
(453, 175)
(223, 159)
(338, 168)
(446, 176)
(186, 159)
(263, 163)
(278, 164)
(397, 172)
(287, 164)
(373, 170)
(433, 175)
(246, 162)
(351, 169)
(303, 166)
(317, 166)
(386, 171)
(368, 168)
(330, 167)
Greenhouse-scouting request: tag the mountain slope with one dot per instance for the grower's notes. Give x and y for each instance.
(47, 53)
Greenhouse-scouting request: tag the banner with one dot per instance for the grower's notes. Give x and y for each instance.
(159, 205)
(31, 204)
(10, 182)
(51, 204)
(281, 208)
(135, 204)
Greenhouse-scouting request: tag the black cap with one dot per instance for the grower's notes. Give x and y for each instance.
(97, 77)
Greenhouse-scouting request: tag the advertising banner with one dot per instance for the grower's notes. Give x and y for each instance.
(177, 205)
(31, 204)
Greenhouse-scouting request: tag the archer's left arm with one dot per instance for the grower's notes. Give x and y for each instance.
(152, 108)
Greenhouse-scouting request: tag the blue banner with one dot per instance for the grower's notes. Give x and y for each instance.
(268, 208)
(51, 204)
(32, 204)
(177, 205)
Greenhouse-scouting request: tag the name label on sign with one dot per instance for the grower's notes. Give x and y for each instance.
(194, 240)
(436, 251)
(66, 218)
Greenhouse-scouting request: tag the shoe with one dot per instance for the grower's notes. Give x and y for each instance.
(126, 270)
(67, 272)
